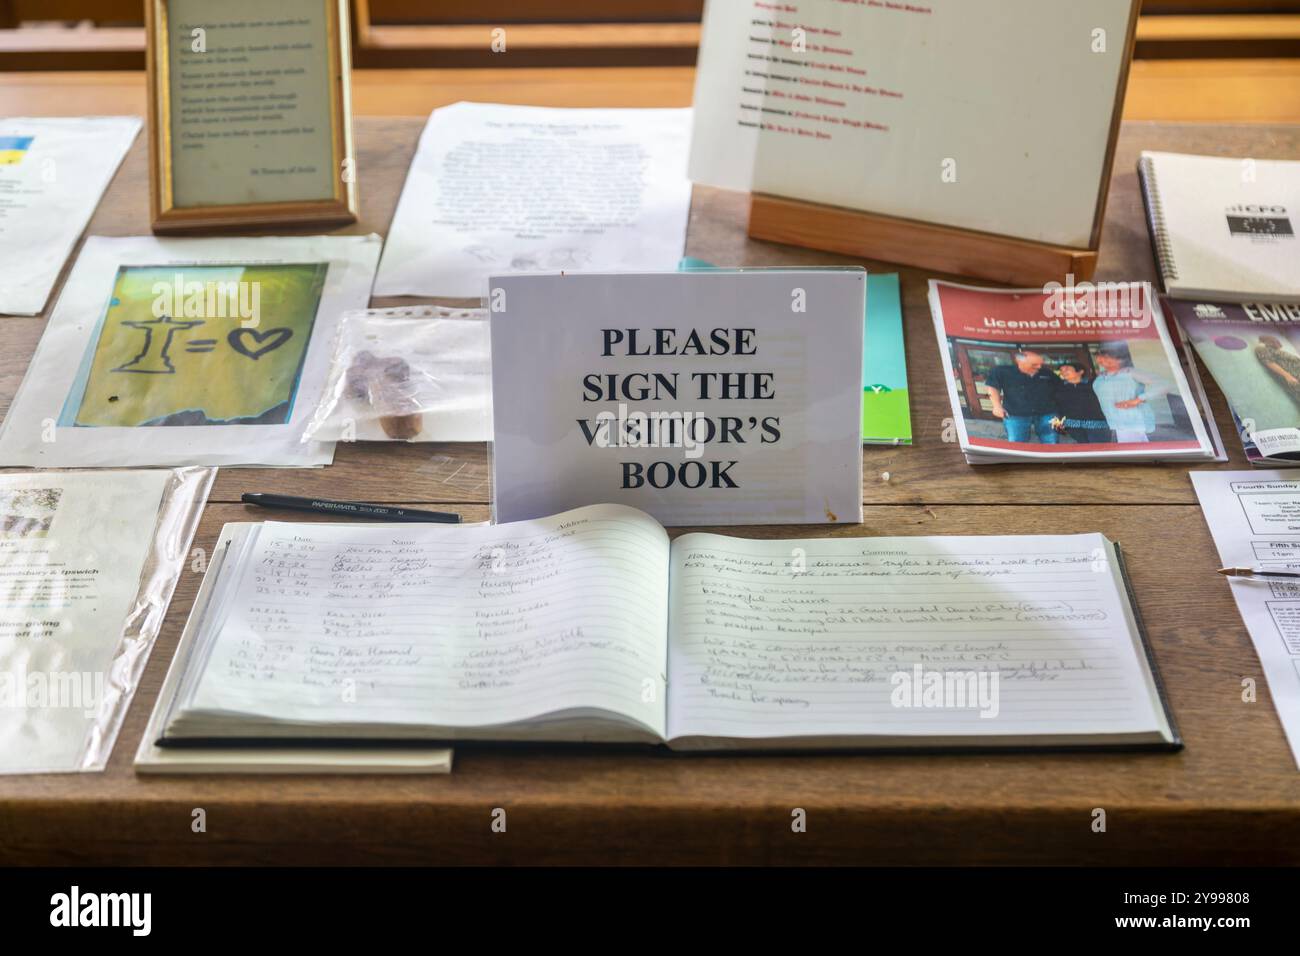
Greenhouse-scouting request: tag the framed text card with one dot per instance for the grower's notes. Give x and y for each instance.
(703, 398)
(249, 113)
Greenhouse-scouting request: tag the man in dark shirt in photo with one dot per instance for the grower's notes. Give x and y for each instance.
(1077, 403)
(1024, 397)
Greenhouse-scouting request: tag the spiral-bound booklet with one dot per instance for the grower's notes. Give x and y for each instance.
(1224, 229)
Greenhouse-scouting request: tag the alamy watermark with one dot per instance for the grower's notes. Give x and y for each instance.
(1097, 305)
(629, 428)
(947, 689)
(45, 690)
(232, 299)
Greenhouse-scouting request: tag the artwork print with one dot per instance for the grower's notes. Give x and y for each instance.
(198, 345)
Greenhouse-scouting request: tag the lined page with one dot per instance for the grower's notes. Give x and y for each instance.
(1027, 635)
(437, 625)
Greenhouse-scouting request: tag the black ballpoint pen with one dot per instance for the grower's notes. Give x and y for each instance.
(349, 509)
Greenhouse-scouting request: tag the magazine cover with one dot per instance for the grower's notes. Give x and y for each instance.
(1251, 351)
(1086, 371)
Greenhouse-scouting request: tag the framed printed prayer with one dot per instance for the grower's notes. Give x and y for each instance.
(250, 120)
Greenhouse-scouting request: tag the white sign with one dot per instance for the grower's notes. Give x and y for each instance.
(704, 398)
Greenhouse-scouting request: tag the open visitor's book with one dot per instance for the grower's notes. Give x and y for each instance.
(592, 626)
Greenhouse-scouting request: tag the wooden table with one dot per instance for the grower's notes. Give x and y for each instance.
(1232, 796)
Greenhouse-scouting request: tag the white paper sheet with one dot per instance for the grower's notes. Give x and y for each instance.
(1254, 517)
(72, 549)
(231, 383)
(53, 172)
(497, 189)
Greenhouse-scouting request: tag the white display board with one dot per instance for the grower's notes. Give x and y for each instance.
(989, 115)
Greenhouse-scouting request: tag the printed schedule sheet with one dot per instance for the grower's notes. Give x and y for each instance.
(1254, 517)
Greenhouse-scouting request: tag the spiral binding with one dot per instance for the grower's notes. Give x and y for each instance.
(1156, 215)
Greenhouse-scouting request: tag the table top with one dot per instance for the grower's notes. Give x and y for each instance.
(1232, 795)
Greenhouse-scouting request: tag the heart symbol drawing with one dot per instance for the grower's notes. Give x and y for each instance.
(262, 342)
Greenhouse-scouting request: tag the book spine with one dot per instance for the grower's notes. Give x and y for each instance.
(1160, 243)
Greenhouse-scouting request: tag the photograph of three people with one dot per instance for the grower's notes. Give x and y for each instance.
(1088, 395)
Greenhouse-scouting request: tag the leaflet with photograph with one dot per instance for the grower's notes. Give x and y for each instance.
(1253, 455)
(1252, 352)
(1187, 362)
(1082, 372)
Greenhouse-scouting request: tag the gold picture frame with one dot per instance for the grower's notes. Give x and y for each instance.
(166, 216)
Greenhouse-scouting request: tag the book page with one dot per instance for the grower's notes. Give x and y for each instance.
(438, 625)
(951, 636)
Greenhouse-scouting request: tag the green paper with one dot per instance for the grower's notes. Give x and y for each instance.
(886, 408)
(886, 411)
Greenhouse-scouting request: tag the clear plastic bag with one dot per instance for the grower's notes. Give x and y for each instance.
(414, 374)
(89, 561)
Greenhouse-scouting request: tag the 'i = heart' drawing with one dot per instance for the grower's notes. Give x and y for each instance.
(255, 344)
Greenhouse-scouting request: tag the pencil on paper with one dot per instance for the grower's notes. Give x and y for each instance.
(1257, 573)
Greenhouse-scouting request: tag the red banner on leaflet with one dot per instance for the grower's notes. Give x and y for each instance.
(1081, 313)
